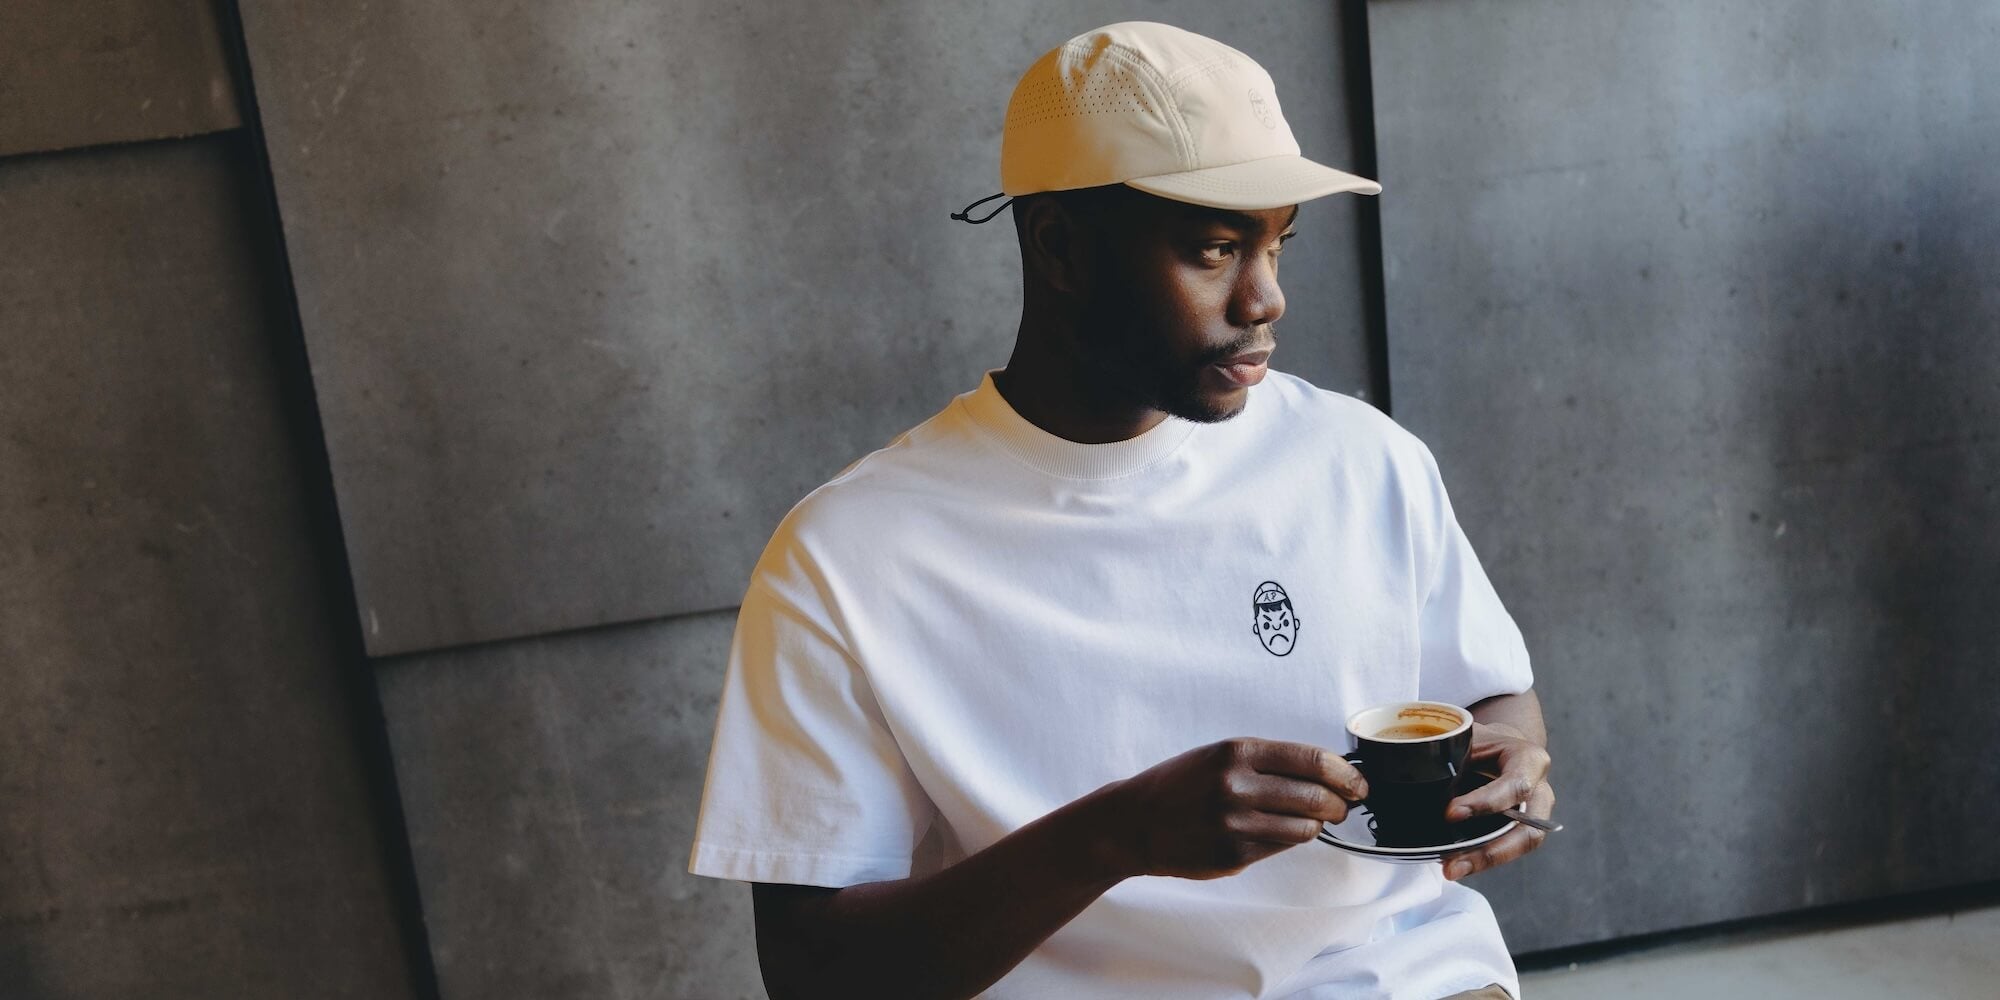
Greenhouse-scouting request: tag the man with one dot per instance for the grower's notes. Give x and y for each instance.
(1018, 629)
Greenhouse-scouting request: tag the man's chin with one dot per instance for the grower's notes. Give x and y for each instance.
(1210, 406)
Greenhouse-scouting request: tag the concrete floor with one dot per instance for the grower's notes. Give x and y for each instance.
(1950, 957)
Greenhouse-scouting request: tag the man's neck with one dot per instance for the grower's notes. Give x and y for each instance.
(1051, 388)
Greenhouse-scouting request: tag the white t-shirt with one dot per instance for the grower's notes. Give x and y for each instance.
(982, 621)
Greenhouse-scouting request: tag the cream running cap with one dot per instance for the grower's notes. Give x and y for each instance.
(1163, 110)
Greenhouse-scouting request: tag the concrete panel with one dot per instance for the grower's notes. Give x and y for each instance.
(551, 786)
(183, 811)
(596, 291)
(1696, 305)
(81, 74)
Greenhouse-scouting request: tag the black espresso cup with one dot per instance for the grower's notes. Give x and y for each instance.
(1413, 754)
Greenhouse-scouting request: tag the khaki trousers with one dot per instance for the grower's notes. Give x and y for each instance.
(1490, 991)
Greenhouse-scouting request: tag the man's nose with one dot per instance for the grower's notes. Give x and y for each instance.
(1256, 300)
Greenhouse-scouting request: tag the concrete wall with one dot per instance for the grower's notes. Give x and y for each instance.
(1696, 304)
(551, 786)
(186, 805)
(596, 291)
(91, 72)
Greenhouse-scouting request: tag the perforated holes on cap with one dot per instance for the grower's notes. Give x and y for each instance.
(1050, 100)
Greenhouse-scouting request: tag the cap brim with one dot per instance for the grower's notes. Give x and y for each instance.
(1270, 182)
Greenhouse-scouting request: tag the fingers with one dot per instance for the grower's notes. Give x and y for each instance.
(1281, 796)
(1267, 828)
(1303, 760)
(1524, 767)
(1517, 842)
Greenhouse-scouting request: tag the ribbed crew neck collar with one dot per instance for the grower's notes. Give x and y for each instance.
(1067, 459)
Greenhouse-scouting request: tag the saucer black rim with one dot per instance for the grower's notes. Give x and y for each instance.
(1429, 852)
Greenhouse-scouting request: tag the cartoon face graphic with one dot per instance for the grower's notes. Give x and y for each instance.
(1272, 618)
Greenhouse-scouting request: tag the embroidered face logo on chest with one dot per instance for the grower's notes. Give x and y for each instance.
(1273, 621)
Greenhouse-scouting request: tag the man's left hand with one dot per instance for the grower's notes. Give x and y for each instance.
(1523, 766)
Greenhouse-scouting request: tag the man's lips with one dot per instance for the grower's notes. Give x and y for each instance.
(1245, 369)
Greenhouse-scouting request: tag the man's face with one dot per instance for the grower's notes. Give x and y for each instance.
(1178, 316)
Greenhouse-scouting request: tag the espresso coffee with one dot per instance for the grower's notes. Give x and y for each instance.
(1413, 731)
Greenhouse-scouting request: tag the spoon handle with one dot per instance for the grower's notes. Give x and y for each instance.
(1526, 820)
(1520, 817)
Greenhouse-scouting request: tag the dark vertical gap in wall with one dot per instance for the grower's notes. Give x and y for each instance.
(1361, 115)
(308, 437)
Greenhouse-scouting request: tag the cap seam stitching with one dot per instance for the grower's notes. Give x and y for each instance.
(1183, 136)
(1161, 87)
(1187, 76)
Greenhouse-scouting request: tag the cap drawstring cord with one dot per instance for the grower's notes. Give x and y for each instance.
(965, 215)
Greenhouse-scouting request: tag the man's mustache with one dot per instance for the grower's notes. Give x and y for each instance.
(1249, 341)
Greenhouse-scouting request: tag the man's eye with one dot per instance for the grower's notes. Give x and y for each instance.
(1216, 253)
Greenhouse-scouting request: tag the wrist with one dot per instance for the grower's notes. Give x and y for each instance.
(1506, 729)
(1095, 835)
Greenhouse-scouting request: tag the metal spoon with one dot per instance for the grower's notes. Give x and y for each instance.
(1520, 817)
(1526, 820)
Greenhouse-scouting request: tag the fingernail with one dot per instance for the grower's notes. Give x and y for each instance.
(1457, 870)
(1460, 812)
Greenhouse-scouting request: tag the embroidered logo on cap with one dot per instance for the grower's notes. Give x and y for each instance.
(1261, 108)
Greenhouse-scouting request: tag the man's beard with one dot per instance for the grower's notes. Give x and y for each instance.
(1127, 357)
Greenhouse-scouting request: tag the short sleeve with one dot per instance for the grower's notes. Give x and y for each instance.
(805, 782)
(1471, 648)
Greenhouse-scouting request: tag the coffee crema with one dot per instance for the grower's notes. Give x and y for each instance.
(1413, 731)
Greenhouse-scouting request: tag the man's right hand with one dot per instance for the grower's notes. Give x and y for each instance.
(1220, 808)
(1207, 813)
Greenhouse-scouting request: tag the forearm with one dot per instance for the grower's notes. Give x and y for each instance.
(1519, 712)
(953, 933)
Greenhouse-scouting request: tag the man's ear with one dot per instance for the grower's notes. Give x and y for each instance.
(1055, 245)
